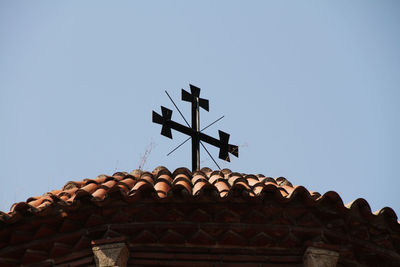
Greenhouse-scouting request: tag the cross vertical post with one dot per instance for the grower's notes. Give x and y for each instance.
(194, 98)
(195, 137)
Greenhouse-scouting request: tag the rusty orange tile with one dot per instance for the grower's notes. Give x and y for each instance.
(100, 193)
(199, 185)
(162, 186)
(185, 183)
(165, 177)
(161, 179)
(214, 178)
(221, 186)
(148, 178)
(90, 188)
(139, 184)
(128, 182)
(109, 184)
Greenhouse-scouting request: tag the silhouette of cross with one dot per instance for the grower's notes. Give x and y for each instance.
(194, 132)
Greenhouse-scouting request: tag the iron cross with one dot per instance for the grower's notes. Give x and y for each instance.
(194, 132)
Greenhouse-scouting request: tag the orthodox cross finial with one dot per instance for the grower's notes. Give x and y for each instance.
(194, 131)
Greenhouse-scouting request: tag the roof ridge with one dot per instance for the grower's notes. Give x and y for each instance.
(162, 184)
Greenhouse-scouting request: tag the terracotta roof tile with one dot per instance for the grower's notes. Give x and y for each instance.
(161, 183)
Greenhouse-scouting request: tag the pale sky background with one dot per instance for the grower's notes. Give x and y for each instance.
(309, 90)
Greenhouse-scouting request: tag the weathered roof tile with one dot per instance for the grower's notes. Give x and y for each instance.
(161, 183)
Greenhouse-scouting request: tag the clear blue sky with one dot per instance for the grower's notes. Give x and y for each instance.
(309, 90)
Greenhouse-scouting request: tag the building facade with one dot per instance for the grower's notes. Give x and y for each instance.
(205, 218)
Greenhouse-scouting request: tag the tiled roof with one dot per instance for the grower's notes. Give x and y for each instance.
(163, 184)
(203, 215)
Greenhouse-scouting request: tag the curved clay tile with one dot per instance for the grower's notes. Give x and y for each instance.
(64, 196)
(148, 176)
(387, 212)
(72, 184)
(268, 180)
(100, 193)
(44, 204)
(162, 187)
(159, 169)
(331, 199)
(32, 199)
(20, 206)
(182, 177)
(239, 189)
(233, 174)
(128, 183)
(80, 194)
(257, 188)
(139, 184)
(163, 172)
(238, 179)
(69, 192)
(283, 181)
(222, 186)
(207, 191)
(198, 177)
(38, 202)
(142, 189)
(361, 205)
(109, 184)
(55, 192)
(226, 172)
(251, 181)
(251, 176)
(136, 173)
(271, 189)
(206, 171)
(300, 193)
(70, 200)
(119, 175)
(242, 183)
(268, 185)
(166, 177)
(89, 188)
(99, 180)
(182, 170)
(161, 194)
(219, 173)
(215, 177)
(183, 181)
(198, 185)
(180, 190)
(288, 189)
